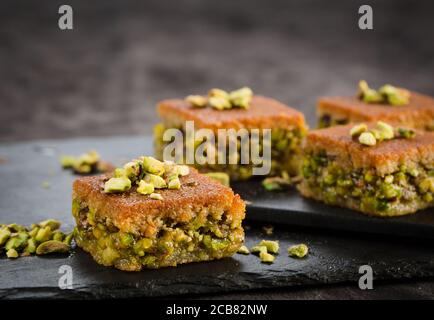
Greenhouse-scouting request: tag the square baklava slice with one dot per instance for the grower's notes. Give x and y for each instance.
(358, 168)
(287, 127)
(415, 110)
(152, 216)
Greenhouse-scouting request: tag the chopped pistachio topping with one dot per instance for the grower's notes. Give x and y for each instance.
(368, 139)
(272, 246)
(156, 196)
(221, 100)
(268, 230)
(243, 250)
(276, 183)
(145, 187)
(221, 177)
(358, 129)
(298, 251)
(148, 174)
(17, 240)
(406, 133)
(382, 131)
(386, 94)
(114, 185)
(197, 101)
(266, 257)
(258, 249)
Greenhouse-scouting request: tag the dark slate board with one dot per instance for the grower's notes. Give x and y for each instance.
(334, 258)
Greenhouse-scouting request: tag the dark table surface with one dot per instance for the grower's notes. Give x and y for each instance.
(105, 76)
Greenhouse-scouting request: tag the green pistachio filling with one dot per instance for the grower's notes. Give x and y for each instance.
(362, 189)
(219, 99)
(285, 153)
(209, 235)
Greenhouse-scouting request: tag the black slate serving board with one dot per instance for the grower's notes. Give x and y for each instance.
(27, 168)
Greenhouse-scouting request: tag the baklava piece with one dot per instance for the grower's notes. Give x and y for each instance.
(152, 214)
(389, 103)
(373, 168)
(239, 109)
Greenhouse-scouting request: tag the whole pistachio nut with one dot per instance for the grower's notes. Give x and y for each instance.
(153, 166)
(4, 236)
(44, 234)
(52, 246)
(368, 139)
(114, 185)
(53, 224)
(145, 187)
(197, 101)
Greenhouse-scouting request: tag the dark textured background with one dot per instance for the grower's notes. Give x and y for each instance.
(104, 77)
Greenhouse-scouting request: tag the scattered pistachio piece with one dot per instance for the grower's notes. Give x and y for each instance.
(266, 257)
(241, 98)
(145, 187)
(358, 129)
(156, 196)
(174, 184)
(197, 101)
(275, 183)
(52, 246)
(183, 170)
(218, 93)
(367, 138)
(4, 236)
(258, 249)
(272, 246)
(221, 177)
(114, 185)
(67, 161)
(44, 234)
(298, 251)
(12, 254)
(132, 169)
(243, 250)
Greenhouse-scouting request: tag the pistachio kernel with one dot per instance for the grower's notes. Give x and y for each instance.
(218, 93)
(145, 187)
(266, 257)
(156, 196)
(219, 103)
(155, 180)
(243, 250)
(12, 254)
(386, 130)
(368, 139)
(120, 184)
(197, 101)
(298, 251)
(52, 223)
(241, 98)
(52, 246)
(406, 133)
(358, 129)
(258, 249)
(153, 166)
(272, 246)
(174, 184)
